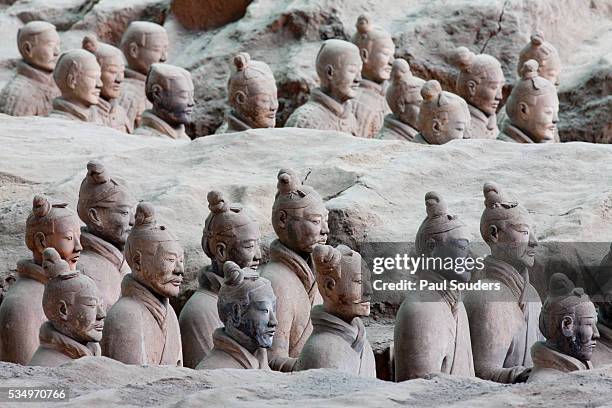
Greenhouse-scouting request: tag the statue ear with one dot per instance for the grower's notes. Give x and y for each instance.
(221, 252)
(137, 260)
(63, 311)
(401, 105)
(133, 50)
(94, 218)
(493, 233)
(40, 242)
(236, 315)
(282, 219)
(240, 97)
(26, 47)
(71, 80)
(156, 93)
(567, 326)
(524, 110)
(329, 285)
(430, 245)
(436, 126)
(471, 87)
(364, 55)
(329, 71)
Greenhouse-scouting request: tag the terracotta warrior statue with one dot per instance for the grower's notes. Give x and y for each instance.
(376, 49)
(143, 44)
(75, 312)
(108, 112)
(142, 328)
(247, 308)
(299, 218)
(252, 96)
(532, 109)
(480, 83)
(338, 338)
(170, 90)
(78, 76)
(107, 208)
(21, 312)
(549, 62)
(230, 234)
(404, 99)
(504, 322)
(569, 324)
(32, 89)
(602, 355)
(339, 69)
(443, 116)
(432, 333)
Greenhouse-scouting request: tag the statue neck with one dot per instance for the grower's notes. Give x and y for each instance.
(242, 339)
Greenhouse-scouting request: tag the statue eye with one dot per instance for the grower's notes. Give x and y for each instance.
(68, 237)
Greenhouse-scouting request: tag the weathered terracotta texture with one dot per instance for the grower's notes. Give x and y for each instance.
(339, 339)
(78, 76)
(432, 332)
(143, 44)
(299, 219)
(108, 112)
(208, 14)
(443, 116)
(247, 308)
(170, 90)
(230, 234)
(569, 324)
(106, 207)
(142, 327)
(376, 49)
(532, 109)
(32, 90)
(404, 98)
(21, 311)
(252, 96)
(75, 312)
(479, 83)
(338, 66)
(504, 323)
(546, 55)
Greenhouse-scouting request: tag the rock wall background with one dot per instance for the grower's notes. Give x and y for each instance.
(287, 35)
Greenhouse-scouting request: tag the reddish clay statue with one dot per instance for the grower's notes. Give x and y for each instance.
(547, 56)
(72, 303)
(230, 234)
(32, 89)
(21, 311)
(142, 328)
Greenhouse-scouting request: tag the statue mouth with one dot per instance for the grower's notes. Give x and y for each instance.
(98, 326)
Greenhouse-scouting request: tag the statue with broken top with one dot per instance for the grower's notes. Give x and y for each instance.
(32, 90)
(247, 308)
(338, 67)
(21, 312)
(142, 327)
(338, 338)
(432, 333)
(75, 312)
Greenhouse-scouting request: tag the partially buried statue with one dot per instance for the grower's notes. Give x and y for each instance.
(404, 99)
(247, 308)
(142, 328)
(504, 322)
(376, 49)
(143, 44)
(299, 218)
(21, 311)
(602, 355)
(252, 96)
(108, 112)
(443, 116)
(338, 339)
(480, 83)
(569, 324)
(549, 62)
(75, 312)
(432, 333)
(107, 209)
(170, 90)
(339, 70)
(532, 109)
(78, 76)
(32, 89)
(230, 234)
